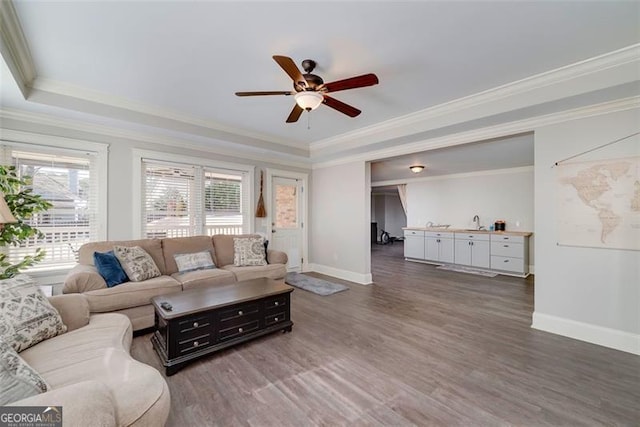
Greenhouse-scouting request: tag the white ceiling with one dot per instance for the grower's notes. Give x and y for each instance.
(190, 57)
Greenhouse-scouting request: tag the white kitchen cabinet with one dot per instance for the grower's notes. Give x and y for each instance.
(472, 249)
(439, 247)
(414, 244)
(510, 254)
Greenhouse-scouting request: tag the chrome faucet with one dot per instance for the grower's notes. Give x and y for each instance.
(476, 220)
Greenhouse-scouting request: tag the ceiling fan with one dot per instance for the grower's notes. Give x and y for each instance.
(310, 90)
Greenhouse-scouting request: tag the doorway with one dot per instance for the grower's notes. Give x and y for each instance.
(287, 216)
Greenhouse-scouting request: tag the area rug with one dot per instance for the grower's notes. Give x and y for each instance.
(468, 270)
(313, 284)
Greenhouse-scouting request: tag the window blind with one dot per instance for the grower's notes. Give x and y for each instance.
(70, 183)
(181, 200)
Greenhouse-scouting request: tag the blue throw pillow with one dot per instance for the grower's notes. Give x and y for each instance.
(109, 268)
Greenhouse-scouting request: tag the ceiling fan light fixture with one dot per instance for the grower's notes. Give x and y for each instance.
(416, 168)
(308, 100)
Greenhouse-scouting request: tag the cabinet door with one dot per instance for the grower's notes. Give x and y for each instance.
(480, 254)
(414, 247)
(431, 249)
(462, 252)
(446, 250)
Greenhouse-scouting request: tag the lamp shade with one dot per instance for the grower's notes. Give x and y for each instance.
(416, 168)
(308, 100)
(5, 213)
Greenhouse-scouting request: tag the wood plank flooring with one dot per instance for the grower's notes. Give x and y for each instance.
(421, 346)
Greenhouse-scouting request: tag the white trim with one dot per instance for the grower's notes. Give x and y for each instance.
(362, 279)
(270, 173)
(402, 125)
(520, 169)
(211, 146)
(96, 101)
(607, 337)
(48, 142)
(14, 48)
(481, 134)
(137, 155)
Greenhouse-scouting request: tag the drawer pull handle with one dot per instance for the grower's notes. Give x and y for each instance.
(506, 246)
(276, 319)
(506, 260)
(195, 343)
(240, 329)
(505, 238)
(240, 313)
(196, 324)
(276, 303)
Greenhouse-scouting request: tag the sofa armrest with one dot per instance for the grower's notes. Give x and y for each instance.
(276, 257)
(83, 278)
(73, 308)
(87, 403)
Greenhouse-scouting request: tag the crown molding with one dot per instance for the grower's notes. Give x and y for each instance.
(67, 96)
(14, 48)
(497, 131)
(404, 125)
(520, 169)
(211, 146)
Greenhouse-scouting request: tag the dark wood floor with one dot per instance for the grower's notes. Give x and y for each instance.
(420, 346)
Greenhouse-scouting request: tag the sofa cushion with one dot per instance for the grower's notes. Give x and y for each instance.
(248, 251)
(194, 261)
(152, 246)
(130, 294)
(270, 271)
(193, 279)
(223, 244)
(18, 380)
(109, 268)
(182, 245)
(26, 316)
(137, 263)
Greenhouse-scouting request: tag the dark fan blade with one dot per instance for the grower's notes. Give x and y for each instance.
(291, 69)
(295, 114)
(280, 92)
(341, 106)
(351, 83)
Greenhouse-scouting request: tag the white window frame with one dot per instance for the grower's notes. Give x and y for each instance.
(48, 144)
(139, 155)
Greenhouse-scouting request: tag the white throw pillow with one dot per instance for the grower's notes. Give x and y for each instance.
(18, 380)
(136, 262)
(26, 315)
(194, 261)
(248, 251)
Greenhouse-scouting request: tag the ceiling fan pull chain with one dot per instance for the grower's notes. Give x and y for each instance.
(308, 120)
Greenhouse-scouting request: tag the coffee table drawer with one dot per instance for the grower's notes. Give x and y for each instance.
(238, 331)
(238, 315)
(195, 343)
(276, 302)
(193, 326)
(272, 319)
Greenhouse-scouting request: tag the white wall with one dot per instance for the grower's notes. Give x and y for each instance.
(585, 293)
(340, 232)
(394, 216)
(502, 194)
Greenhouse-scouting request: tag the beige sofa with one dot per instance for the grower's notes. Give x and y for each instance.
(133, 298)
(91, 373)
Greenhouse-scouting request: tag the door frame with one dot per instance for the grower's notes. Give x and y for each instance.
(304, 211)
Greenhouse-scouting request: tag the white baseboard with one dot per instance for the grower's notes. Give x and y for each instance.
(607, 337)
(532, 269)
(363, 279)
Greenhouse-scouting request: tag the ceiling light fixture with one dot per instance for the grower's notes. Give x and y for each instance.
(308, 100)
(416, 168)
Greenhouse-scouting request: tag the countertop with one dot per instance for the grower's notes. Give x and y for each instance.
(462, 230)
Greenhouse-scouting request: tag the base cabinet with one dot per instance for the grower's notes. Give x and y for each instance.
(439, 247)
(472, 249)
(414, 244)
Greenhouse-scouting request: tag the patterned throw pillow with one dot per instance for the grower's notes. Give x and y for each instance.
(195, 261)
(248, 251)
(26, 316)
(137, 263)
(17, 379)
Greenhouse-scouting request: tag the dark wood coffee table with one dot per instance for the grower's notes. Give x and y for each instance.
(205, 320)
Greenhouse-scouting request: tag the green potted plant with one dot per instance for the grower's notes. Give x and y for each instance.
(23, 204)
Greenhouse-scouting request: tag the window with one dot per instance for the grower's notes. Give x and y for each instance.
(182, 200)
(69, 181)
